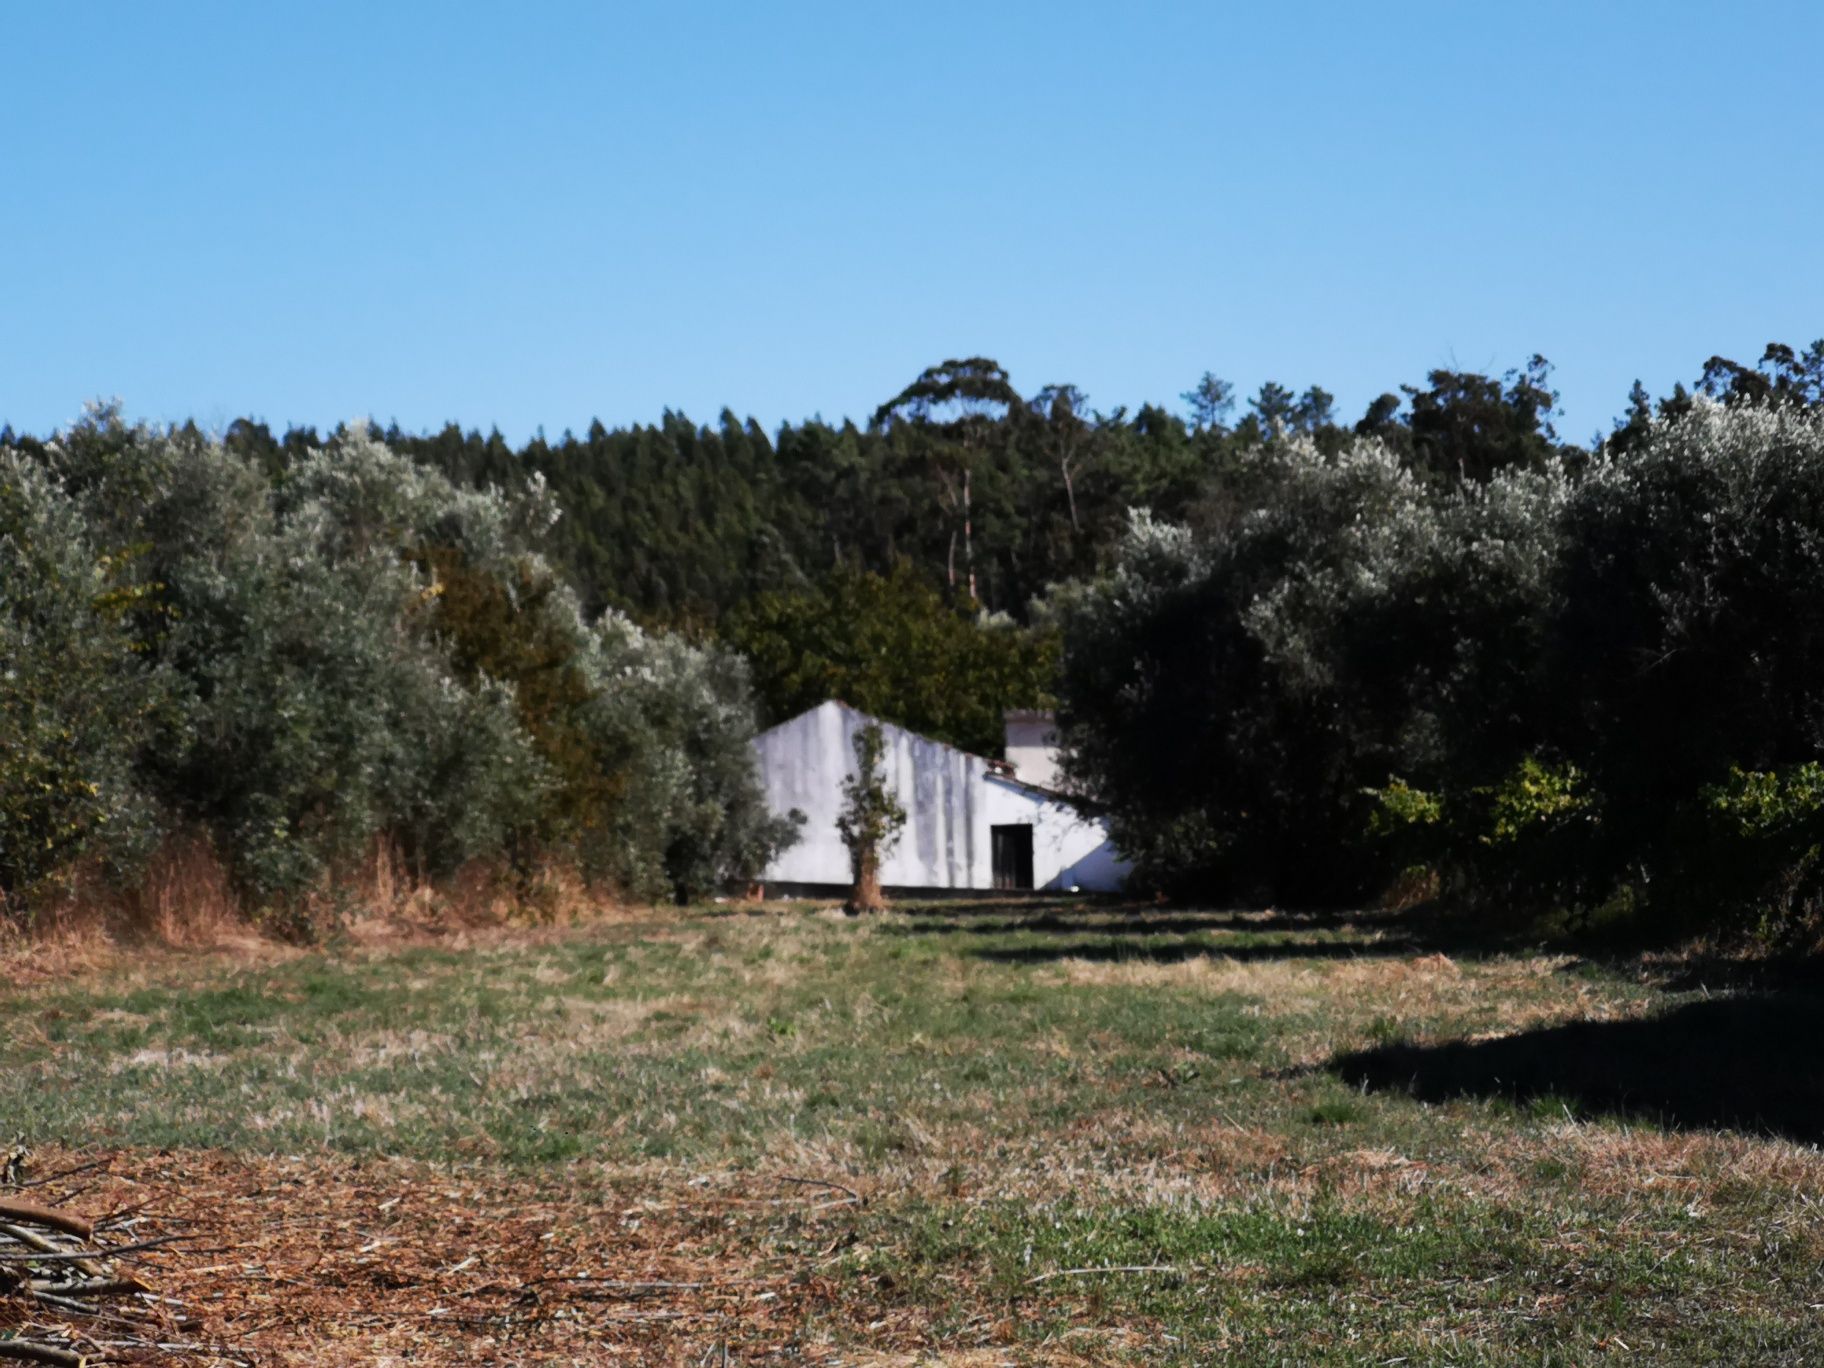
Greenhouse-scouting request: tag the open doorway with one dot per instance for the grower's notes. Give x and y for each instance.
(1012, 850)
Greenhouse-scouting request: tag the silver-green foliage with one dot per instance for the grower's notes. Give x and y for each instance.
(678, 719)
(75, 692)
(1552, 684)
(1232, 694)
(1693, 635)
(311, 697)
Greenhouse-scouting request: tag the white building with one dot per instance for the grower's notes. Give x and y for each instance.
(971, 822)
(1032, 746)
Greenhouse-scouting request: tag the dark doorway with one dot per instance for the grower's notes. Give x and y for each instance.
(1013, 855)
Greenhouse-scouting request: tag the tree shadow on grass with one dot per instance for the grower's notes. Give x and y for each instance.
(1078, 924)
(1178, 951)
(1746, 1063)
(1112, 930)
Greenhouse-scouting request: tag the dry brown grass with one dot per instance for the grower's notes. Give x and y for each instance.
(294, 1263)
(332, 1263)
(183, 902)
(184, 905)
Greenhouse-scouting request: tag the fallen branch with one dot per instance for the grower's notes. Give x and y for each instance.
(31, 1213)
(1107, 1268)
(62, 1284)
(853, 1195)
(61, 1174)
(24, 1351)
(79, 1255)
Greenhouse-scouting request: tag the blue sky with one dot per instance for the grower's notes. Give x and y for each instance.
(532, 214)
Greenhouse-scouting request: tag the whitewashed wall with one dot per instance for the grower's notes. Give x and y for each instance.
(951, 800)
(1069, 850)
(1032, 747)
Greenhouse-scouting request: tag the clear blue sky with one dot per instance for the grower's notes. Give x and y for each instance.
(526, 214)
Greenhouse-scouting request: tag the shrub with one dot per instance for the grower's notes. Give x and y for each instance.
(76, 694)
(346, 651)
(1690, 639)
(1261, 706)
(1553, 690)
(677, 721)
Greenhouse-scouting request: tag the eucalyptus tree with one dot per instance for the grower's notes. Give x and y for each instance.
(1785, 376)
(1070, 436)
(955, 410)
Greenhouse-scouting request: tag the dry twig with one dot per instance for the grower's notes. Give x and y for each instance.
(853, 1195)
(1107, 1268)
(62, 1288)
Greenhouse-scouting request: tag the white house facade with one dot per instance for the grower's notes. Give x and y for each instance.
(971, 823)
(1032, 746)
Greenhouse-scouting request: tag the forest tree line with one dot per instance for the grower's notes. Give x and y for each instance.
(896, 562)
(988, 495)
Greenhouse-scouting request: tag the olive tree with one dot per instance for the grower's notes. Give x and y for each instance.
(870, 821)
(76, 694)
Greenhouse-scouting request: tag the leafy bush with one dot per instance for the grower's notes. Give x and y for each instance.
(1691, 634)
(1763, 841)
(676, 721)
(76, 693)
(1233, 696)
(1548, 687)
(352, 652)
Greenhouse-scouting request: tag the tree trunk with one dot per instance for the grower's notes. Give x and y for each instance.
(1070, 495)
(866, 895)
(968, 535)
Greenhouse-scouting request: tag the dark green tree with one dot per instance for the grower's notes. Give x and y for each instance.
(1783, 376)
(1274, 408)
(1210, 401)
(892, 646)
(1464, 426)
(954, 411)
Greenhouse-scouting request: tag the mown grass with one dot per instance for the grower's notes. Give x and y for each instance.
(1240, 1111)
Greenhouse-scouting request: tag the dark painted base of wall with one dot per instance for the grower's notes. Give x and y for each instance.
(837, 892)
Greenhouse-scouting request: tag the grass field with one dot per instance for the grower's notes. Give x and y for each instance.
(978, 1133)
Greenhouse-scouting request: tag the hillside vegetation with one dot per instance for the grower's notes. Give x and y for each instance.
(1438, 653)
